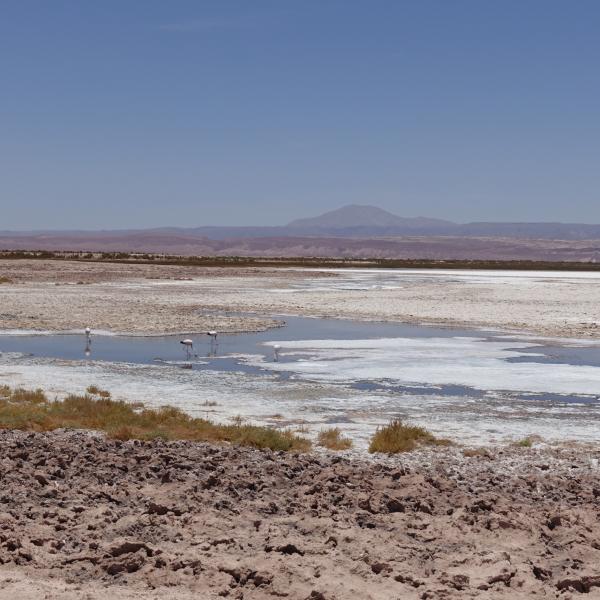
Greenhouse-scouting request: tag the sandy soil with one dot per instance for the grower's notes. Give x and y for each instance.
(83, 517)
(151, 299)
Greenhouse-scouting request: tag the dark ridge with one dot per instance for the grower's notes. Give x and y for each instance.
(298, 261)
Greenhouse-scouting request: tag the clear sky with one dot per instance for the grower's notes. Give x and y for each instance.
(122, 113)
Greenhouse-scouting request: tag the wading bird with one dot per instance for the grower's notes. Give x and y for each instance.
(189, 346)
(88, 341)
(213, 342)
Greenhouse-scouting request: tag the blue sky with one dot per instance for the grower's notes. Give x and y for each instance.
(123, 114)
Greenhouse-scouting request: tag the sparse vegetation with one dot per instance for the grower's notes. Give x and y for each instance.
(477, 453)
(525, 443)
(397, 437)
(94, 390)
(333, 439)
(4, 279)
(34, 411)
(297, 261)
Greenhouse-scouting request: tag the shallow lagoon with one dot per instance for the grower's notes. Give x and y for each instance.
(474, 385)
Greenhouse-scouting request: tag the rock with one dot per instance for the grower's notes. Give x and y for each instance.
(129, 564)
(40, 478)
(157, 509)
(394, 505)
(25, 555)
(364, 521)
(554, 522)
(239, 574)
(211, 482)
(582, 585)
(12, 544)
(460, 582)
(365, 504)
(108, 508)
(270, 509)
(482, 505)
(424, 507)
(541, 573)
(128, 547)
(409, 580)
(503, 577)
(6, 519)
(262, 578)
(289, 549)
(398, 473)
(380, 567)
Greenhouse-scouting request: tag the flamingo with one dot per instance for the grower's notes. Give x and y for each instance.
(189, 346)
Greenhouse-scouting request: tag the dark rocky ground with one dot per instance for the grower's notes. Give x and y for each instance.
(83, 517)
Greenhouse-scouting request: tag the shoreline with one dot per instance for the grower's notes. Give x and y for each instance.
(115, 298)
(171, 300)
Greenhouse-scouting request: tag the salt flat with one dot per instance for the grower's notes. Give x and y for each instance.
(153, 299)
(464, 387)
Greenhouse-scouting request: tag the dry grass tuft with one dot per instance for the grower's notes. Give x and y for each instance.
(333, 439)
(397, 437)
(5, 279)
(477, 453)
(94, 390)
(525, 443)
(33, 411)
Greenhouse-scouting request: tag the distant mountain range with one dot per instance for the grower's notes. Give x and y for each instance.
(361, 216)
(353, 221)
(361, 220)
(350, 231)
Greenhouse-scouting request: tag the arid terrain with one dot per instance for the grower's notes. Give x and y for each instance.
(407, 246)
(152, 299)
(83, 517)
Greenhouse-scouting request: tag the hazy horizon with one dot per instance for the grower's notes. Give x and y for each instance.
(194, 113)
(276, 225)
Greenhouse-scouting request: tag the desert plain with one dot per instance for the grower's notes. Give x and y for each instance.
(151, 299)
(83, 516)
